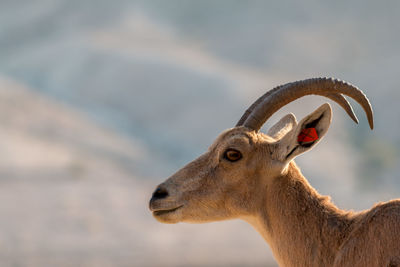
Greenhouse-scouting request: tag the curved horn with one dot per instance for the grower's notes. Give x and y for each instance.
(338, 98)
(273, 100)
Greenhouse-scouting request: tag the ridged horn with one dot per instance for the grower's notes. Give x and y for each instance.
(265, 106)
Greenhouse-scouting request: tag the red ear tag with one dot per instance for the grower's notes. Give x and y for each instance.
(307, 135)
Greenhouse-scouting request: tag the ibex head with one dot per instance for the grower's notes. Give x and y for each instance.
(230, 179)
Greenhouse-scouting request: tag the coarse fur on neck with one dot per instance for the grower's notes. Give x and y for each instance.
(302, 227)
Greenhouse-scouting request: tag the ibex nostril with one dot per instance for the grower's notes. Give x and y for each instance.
(160, 193)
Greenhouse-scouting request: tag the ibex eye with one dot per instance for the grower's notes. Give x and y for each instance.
(232, 155)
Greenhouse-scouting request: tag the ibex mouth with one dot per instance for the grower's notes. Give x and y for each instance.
(165, 211)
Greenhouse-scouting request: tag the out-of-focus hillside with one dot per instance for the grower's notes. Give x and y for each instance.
(60, 174)
(119, 94)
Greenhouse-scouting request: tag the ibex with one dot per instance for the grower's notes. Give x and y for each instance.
(250, 175)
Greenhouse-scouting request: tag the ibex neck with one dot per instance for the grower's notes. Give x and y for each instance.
(302, 227)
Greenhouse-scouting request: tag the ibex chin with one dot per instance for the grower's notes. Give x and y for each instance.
(250, 175)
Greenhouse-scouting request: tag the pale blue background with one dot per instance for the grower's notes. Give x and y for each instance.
(103, 100)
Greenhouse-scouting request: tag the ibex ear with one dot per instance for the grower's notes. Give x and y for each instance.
(283, 126)
(305, 135)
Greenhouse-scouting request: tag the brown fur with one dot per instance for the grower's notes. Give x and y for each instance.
(306, 229)
(267, 189)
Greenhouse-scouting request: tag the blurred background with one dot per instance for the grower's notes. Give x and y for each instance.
(100, 101)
